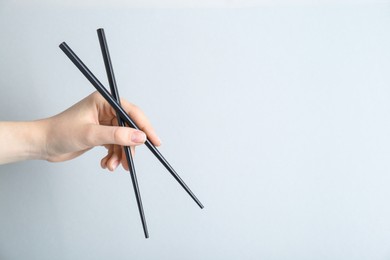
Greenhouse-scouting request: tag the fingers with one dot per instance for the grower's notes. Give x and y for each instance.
(141, 121)
(115, 156)
(106, 134)
(107, 116)
(100, 135)
(115, 160)
(104, 162)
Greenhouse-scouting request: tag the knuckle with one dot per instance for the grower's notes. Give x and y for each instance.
(117, 135)
(96, 95)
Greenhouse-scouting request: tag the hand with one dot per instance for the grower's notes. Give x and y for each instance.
(93, 122)
(90, 122)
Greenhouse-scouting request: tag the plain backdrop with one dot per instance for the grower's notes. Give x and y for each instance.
(276, 116)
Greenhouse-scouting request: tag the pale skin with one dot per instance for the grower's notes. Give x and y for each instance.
(89, 123)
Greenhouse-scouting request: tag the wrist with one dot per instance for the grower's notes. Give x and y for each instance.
(22, 141)
(37, 140)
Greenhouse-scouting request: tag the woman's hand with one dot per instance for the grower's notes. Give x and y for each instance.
(90, 122)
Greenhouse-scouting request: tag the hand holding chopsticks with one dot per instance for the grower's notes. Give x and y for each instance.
(123, 117)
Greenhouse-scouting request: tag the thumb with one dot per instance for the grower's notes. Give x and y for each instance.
(125, 136)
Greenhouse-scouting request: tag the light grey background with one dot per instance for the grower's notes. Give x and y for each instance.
(276, 117)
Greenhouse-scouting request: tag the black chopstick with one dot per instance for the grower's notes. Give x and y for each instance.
(103, 91)
(115, 95)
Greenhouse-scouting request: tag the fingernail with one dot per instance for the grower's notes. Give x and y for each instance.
(138, 137)
(114, 165)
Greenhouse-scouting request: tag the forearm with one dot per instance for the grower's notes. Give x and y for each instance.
(22, 141)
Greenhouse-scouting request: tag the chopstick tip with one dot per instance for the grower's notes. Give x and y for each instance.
(62, 44)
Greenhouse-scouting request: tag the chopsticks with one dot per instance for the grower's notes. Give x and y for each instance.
(115, 95)
(113, 100)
